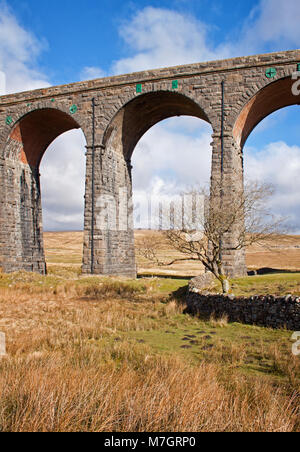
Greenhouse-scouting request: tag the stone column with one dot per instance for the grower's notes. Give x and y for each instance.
(232, 179)
(21, 239)
(113, 236)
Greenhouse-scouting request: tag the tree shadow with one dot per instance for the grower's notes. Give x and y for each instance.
(180, 295)
(163, 276)
(270, 271)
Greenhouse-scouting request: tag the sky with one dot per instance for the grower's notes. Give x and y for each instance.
(57, 42)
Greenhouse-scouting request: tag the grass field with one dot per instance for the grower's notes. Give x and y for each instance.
(100, 354)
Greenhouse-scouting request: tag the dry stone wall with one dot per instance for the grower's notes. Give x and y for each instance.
(268, 311)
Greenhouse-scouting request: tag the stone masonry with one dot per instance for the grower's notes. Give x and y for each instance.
(125, 107)
(268, 311)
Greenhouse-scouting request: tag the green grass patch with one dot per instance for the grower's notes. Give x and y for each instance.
(166, 285)
(273, 284)
(250, 349)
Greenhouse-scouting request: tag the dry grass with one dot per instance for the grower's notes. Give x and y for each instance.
(63, 247)
(75, 364)
(53, 392)
(94, 354)
(284, 254)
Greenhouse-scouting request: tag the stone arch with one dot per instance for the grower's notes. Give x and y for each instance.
(23, 145)
(114, 246)
(258, 102)
(267, 100)
(140, 113)
(33, 132)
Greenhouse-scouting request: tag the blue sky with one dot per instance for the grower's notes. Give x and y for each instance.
(76, 34)
(73, 34)
(44, 43)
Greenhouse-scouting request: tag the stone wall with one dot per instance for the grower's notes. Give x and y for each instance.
(268, 311)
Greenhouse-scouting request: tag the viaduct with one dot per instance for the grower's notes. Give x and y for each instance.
(232, 95)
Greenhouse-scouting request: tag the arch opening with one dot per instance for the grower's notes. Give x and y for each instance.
(142, 113)
(37, 130)
(273, 97)
(62, 176)
(173, 157)
(59, 135)
(272, 156)
(132, 124)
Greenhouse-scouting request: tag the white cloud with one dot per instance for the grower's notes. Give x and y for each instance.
(272, 25)
(276, 22)
(19, 50)
(62, 182)
(279, 165)
(167, 163)
(160, 37)
(91, 73)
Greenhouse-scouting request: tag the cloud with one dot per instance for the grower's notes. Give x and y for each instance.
(279, 165)
(160, 37)
(167, 162)
(62, 182)
(272, 25)
(19, 51)
(275, 22)
(91, 73)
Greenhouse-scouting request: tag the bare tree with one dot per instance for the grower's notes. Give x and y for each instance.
(204, 236)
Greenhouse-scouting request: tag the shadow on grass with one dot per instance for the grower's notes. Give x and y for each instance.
(164, 276)
(180, 295)
(269, 271)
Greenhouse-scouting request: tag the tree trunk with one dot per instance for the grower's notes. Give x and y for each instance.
(225, 285)
(223, 278)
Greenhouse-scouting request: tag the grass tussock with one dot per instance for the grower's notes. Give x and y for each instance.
(114, 288)
(52, 392)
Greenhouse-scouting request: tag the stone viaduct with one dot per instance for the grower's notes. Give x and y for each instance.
(232, 95)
